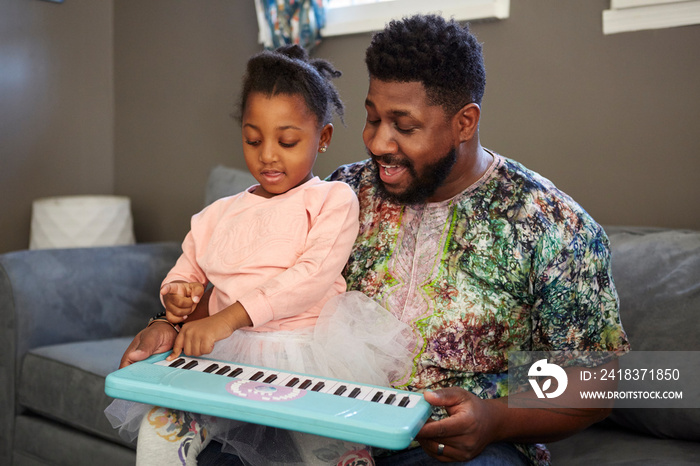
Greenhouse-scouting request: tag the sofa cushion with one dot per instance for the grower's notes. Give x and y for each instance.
(605, 444)
(683, 424)
(40, 442)
(66, 382)
(657, 275)
(226, 181)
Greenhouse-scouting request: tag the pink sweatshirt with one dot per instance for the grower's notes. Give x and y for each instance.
(281, 257)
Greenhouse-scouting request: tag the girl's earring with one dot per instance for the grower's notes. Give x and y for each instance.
(322, 149)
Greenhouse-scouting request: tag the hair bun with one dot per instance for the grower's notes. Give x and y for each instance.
(325, 69)
(294, 51)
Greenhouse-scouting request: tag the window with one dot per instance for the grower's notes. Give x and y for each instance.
(354, 16)
(636, 15)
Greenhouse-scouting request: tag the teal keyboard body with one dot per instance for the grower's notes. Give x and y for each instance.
(367, 414)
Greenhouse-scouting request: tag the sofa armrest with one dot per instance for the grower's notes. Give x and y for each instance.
(53, 296)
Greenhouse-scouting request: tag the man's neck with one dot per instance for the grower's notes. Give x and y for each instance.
(472, 163)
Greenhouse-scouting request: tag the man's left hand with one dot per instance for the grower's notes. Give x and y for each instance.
(462, 435)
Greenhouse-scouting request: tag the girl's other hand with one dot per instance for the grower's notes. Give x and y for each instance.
(180, 299)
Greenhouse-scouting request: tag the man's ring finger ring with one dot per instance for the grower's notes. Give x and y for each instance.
(441, 449)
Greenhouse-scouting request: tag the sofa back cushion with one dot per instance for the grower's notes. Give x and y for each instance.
(657, 274)
(226, 181)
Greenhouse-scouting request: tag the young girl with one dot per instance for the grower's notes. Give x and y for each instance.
(274, 255)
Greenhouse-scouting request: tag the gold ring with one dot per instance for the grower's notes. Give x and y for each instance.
(441, 449)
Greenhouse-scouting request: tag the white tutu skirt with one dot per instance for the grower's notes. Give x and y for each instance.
(354, 339)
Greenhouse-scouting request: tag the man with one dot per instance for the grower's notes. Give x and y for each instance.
(478, 254)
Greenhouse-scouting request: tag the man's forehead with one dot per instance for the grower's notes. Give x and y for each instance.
(396, 96)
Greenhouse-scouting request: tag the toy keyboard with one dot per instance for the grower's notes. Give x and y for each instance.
(371, 415)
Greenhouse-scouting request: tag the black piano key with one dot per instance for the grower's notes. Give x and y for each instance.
(293, 382)
(356, 391)
(177, 363)
(190, 365)
(257, 375)
(318, 387)
(211, 368)
(270, 378)
(305, 384)
(390, 399)
(342, 389)
(236, 372)
(223, 370)
(404, 402)
(377, 396)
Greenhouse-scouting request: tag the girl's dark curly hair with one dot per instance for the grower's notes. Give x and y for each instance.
(442, 55)
(288, 70)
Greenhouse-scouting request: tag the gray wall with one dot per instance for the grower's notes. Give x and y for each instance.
(56, 106)
(178, 67)
(610, 119)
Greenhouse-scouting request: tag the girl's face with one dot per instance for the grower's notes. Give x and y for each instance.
(281, 138)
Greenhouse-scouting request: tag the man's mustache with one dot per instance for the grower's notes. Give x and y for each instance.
(389, 160)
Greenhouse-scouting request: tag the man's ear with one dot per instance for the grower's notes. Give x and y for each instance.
(467, 121)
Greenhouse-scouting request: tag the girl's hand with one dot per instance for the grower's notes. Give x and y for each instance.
(180, 299)
(197, 338)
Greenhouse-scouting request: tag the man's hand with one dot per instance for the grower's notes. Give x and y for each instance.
(474, 423)
(180, 299)
(465, 433)
(158, 338)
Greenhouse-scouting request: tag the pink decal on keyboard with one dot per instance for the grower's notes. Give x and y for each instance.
(263, 392)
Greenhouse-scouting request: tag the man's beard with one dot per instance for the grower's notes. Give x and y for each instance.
(423, 186)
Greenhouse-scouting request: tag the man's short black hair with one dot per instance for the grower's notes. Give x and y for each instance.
(442, 55)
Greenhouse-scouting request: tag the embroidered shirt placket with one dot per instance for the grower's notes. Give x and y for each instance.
(416, 263)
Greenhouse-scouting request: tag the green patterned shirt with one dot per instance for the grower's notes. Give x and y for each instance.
(510, 264)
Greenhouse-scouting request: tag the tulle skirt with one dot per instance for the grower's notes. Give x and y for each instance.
(354, 339)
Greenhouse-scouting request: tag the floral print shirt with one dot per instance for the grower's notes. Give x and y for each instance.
(509, 264)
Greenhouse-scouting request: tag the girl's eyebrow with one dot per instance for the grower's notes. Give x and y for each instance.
(281, 128)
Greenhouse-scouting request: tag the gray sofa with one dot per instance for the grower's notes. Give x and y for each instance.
(67, 316)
